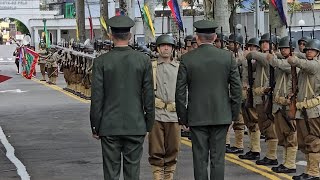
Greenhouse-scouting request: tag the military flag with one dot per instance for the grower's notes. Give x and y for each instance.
(77, 31)
(278, 5)
(46, 33)
(147, 19)
(175, 11)
(103, 23)
(91, 28)
(4, 78)
(30, 60)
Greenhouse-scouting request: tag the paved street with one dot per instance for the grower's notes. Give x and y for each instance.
(50, 132)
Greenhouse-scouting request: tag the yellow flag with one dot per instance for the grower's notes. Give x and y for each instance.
(147, 13)
(77, 31)
(103, 23)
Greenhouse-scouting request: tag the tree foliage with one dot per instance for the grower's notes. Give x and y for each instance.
(293, 7)
(21, 27)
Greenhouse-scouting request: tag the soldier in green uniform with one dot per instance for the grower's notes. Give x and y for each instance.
(308, 108)
(164, 138)
(122, 102)
(211, 79)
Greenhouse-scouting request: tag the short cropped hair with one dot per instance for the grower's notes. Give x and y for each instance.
(121, 36)
(205, 37)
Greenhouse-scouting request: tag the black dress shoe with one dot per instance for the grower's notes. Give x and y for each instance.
(267, 162)
(234, 150)
(298, 177)
(250, 156)
(185, 133)
(282, 169)
(228, 148)
(304, 176)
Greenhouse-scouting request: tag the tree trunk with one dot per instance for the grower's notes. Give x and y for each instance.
(81, 20)
(276, 20)
(221, 15)
(233, 15)
(148, 34)
(104, 12)
(208, 9)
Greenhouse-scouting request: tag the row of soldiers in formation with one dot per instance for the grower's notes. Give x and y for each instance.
(257, 61)
(281, 102)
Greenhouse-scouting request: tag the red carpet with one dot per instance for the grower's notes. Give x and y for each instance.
(4, 78)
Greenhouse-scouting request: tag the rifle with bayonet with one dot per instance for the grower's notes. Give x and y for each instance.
(294, 81)
(246, 39)
(249, 101)
(235, 49)
(269, 101)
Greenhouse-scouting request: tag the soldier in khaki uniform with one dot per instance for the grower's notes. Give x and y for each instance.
(188, 43)
(302, 43)
(308, 105)
(122, 103)
(42, 60)
(249, 114)
(210, 78)
(164, 138)
(285, 127)
(261, 84)
(52, 66)
(194, 43)
(235, 42)
(221, 42)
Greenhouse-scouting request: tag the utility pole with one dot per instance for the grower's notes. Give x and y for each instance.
(81, 20)
(104, 12)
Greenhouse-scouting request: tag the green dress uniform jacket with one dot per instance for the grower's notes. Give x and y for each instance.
(214, 87)
(122, 101)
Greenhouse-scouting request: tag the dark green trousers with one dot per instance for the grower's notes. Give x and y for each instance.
(130, 148)
(209, 141)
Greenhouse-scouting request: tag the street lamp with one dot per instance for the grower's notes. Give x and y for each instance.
(301, 23)
(239, 27)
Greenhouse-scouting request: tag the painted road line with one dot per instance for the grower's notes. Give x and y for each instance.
(57, 88)
(21, 169)
(251, 163)
(246, 166)
(13, 91)
(185, 141)
(302, 163)
(247, 163)
(252, 168)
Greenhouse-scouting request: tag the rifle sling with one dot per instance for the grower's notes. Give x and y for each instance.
(285, 116)
(305, 117)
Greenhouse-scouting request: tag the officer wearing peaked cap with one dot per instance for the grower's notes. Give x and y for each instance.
(122, 102)
(207, 73)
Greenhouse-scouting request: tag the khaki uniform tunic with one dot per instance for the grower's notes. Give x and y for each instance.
(166, 88)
